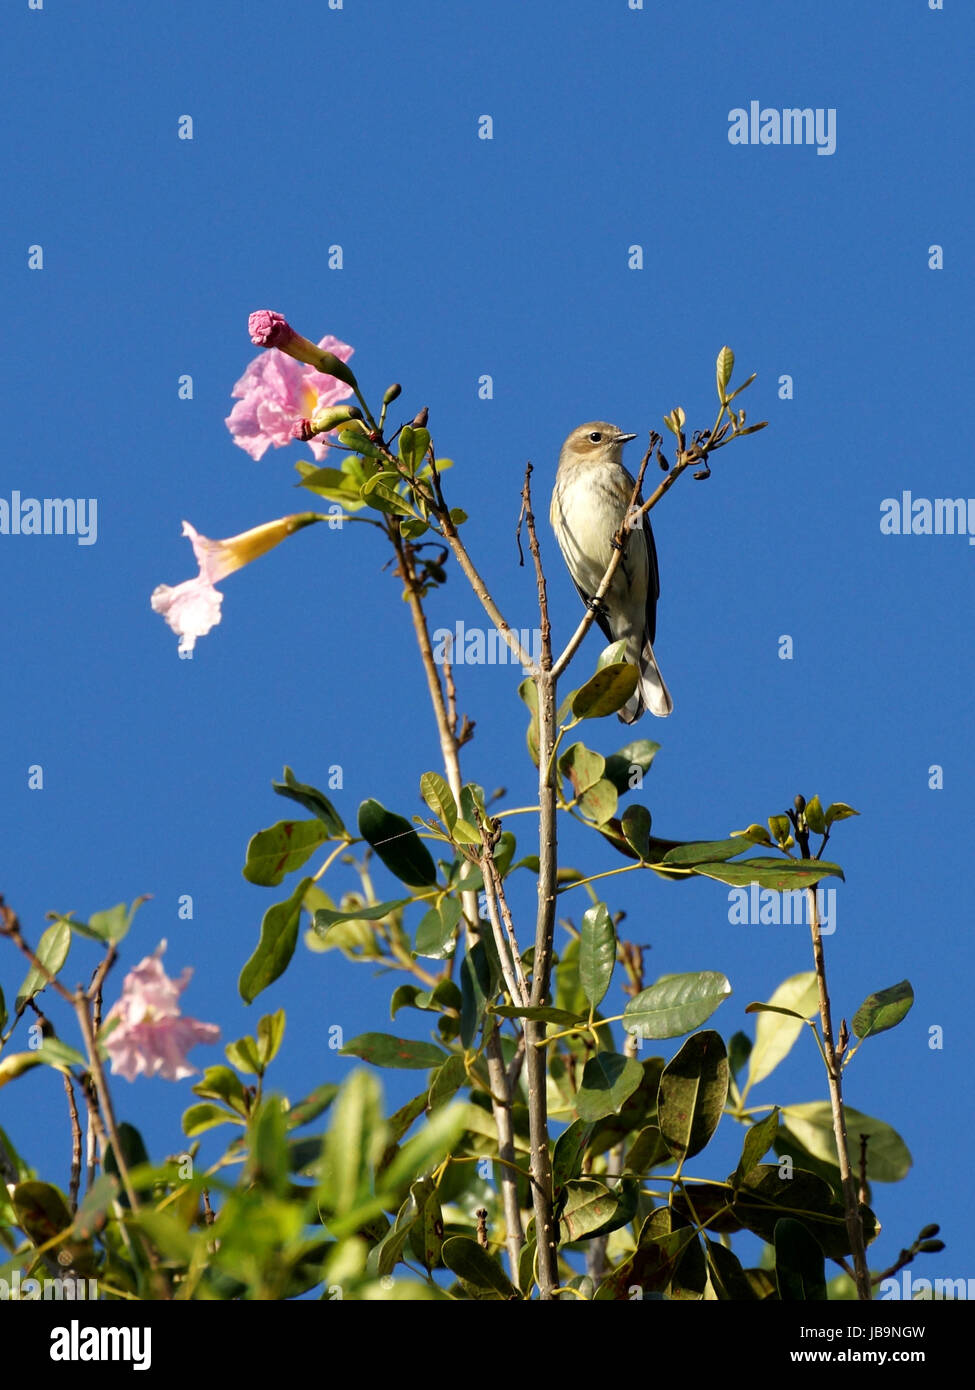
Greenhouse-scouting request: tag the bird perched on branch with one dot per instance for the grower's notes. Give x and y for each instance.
(589, 504)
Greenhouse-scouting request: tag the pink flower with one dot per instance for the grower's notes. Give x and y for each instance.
(276, 391)
(152, 1036)
(192, 608)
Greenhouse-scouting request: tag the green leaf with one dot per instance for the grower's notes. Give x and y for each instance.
(688, 1278)
(597, 953)
(478, 984)
(883, 1010)
(739, 1050)
(427, 1233)
(758, 1008)
(570, 1148)
(326, 917)
(270, 1032)
(591, 1209)
(133, 1152)
(383, 1050)
(413, 445)
(384, 1257)
(692, 1095)
(606, 692)
(775, 1034)
(42, 1211)
(59, 1055)
(599, 803)
(447, 1081)
(110, 924)
(279, 936)
(815, 816)
(800, 1269)
(839, 811)
(811, 1124)
(651, 1266)
(635, 826)
(380, 492)
(647, 1150)
(676, 1004)
(758, 1141)
(439, 798)
(725, 366)
(206, 1115)
(528, 694)
(357, 439)
(355, 1141)
(313, 1105)
(284, 847)
(436, 1138)
(403, 997)
(52, 952)
(16, 1064)
(436, 934)
(93, 1212)
(333, 484)
(582, 767)
(444, 996)
(397, 844)
(220, 1083)
(783, 875)
(608, 1080)
(314, 801)
(625, 768)
(756, 835)
(766, 1195)
(413, 527)
(705, 852)
(728, 1279)
(243, 1055)
(480, 1274)
(613, 655)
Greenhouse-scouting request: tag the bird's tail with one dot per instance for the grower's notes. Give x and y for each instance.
(651, 693)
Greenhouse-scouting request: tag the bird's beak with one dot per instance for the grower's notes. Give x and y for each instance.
(623, 438)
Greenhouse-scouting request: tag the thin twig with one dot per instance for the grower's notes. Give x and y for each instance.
(10, 926)
(546, 1226)
(854, 1224)
(864, 1191)
(75, 1183)
(445, 716)
(81, 1004)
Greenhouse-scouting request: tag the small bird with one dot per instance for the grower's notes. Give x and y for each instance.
(589, 503)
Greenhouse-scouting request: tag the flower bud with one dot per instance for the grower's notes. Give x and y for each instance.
(338, 415)
(391, 393)
(272, 330)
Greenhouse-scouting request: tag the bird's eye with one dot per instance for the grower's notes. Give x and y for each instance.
(596, 437)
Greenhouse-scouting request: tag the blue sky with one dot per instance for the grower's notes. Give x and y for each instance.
(463, 257)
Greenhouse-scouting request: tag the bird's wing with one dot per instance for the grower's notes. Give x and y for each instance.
(653, 583)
